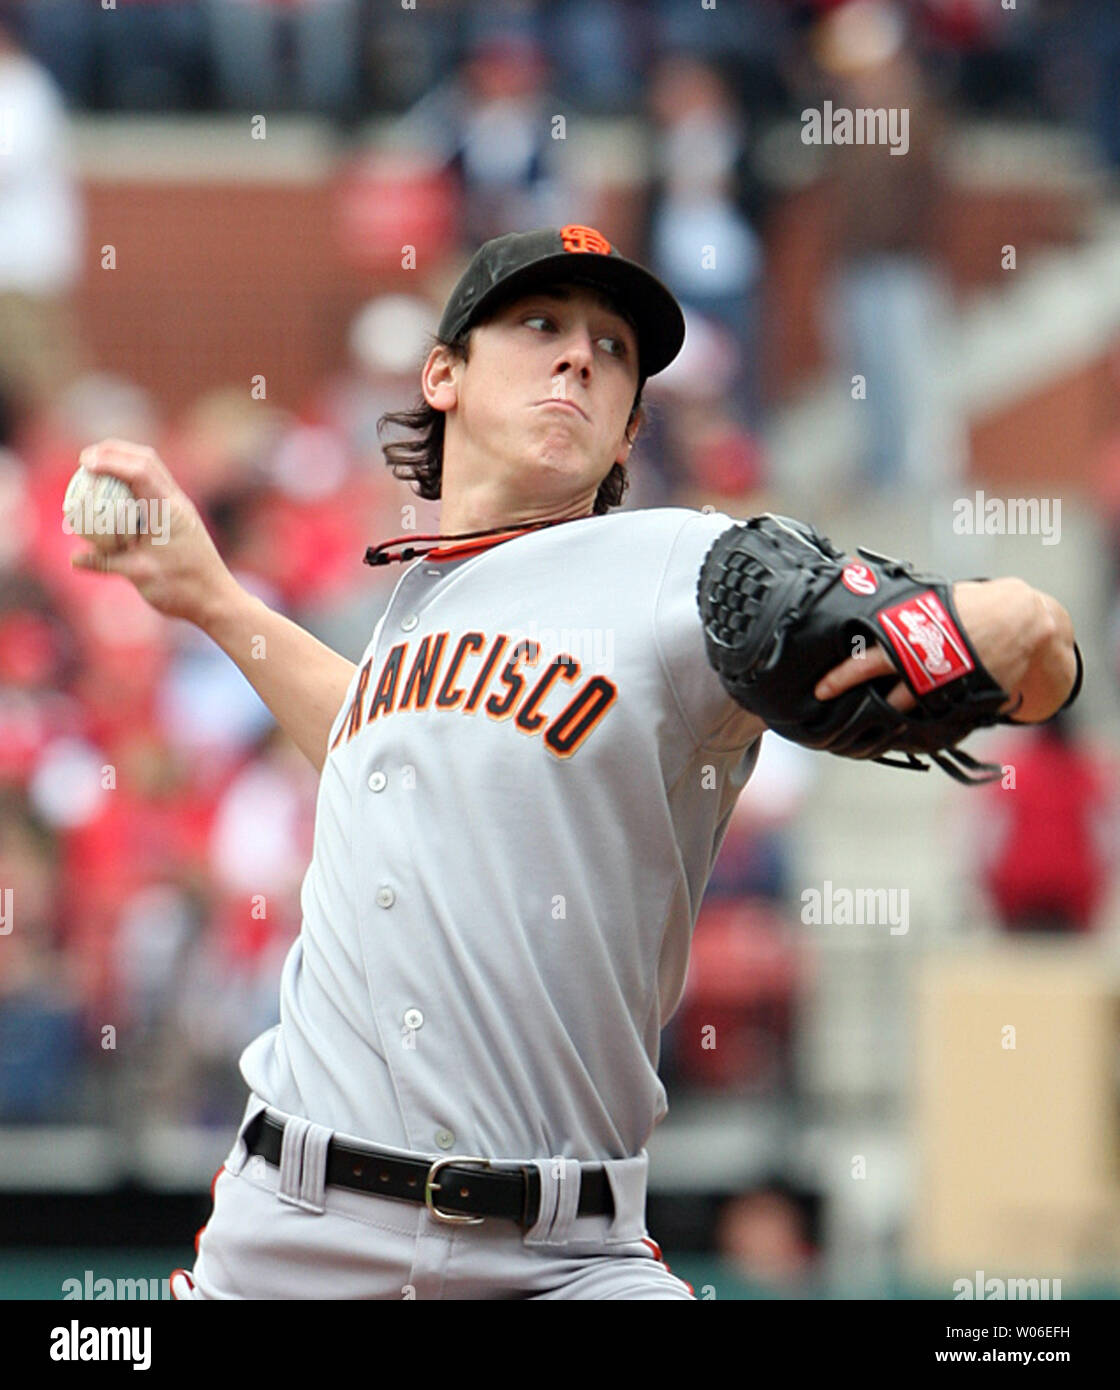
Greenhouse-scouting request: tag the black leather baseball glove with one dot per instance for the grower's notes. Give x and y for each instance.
(781, 607)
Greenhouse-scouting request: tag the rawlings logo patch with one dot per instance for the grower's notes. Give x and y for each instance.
(584, 240)
(858, 578)
(926, 641)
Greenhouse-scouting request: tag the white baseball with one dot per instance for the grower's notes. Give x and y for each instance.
(94, 508)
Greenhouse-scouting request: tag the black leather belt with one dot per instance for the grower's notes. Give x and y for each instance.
(468, 1188)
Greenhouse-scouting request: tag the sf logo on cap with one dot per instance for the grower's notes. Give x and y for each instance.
(584, 239)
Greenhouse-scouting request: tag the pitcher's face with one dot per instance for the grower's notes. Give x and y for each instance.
(540, 408)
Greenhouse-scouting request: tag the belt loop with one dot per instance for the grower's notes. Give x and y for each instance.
(550, 1194)
(313, 1179)
(303, 1164)
(628, 1178)
(291, 1158)
(560, 1183)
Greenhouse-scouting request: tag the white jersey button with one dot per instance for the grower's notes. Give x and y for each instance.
(377, 781)
(385, 896)
(444, 1138)
(413, 1018)
(407, 624)
(435, 572)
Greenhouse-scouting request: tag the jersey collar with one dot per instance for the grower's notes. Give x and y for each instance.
(457, 547)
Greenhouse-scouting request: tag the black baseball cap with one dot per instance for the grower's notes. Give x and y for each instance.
(520, 262)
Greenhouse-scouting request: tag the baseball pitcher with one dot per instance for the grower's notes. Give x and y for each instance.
(524, 783)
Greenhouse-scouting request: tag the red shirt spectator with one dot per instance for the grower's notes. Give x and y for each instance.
(1048, 857)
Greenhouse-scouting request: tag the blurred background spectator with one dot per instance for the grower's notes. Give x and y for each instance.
(267, 53)
(763, 1241)
(891, 295)
(40, 1015)
(1048, 835)
(701, 239)
(494, 124)
(41, 236)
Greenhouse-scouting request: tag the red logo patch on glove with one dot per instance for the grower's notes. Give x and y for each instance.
(926, 642)
(858, 579)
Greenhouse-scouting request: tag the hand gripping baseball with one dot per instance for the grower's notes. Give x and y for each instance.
(175, 566)
(788, 618)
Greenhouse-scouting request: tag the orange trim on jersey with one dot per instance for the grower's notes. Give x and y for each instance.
(355, 713)
(527, 651)
(422, 677)
(447, 698)
(500, 643)
(171, 1280)
(456, 548)
(386, 691)
(574, 708)
(465, 548)
(528, 721)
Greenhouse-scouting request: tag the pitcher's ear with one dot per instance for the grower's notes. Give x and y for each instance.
(439, 381)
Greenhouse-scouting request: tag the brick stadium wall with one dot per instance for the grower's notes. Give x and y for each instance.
(1052, 435)
(1052, 439)
(217, 283)
(972, 230)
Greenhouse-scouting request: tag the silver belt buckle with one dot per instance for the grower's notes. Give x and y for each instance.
(452, 1218)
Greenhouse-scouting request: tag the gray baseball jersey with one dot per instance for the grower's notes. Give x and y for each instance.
(524, 794)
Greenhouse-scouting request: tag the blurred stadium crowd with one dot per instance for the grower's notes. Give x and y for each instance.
(154, 825)
(348, 58)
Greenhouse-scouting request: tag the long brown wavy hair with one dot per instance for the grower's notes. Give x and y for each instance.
(419, 459)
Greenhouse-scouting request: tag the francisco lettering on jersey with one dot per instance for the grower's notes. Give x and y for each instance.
(450, 677)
